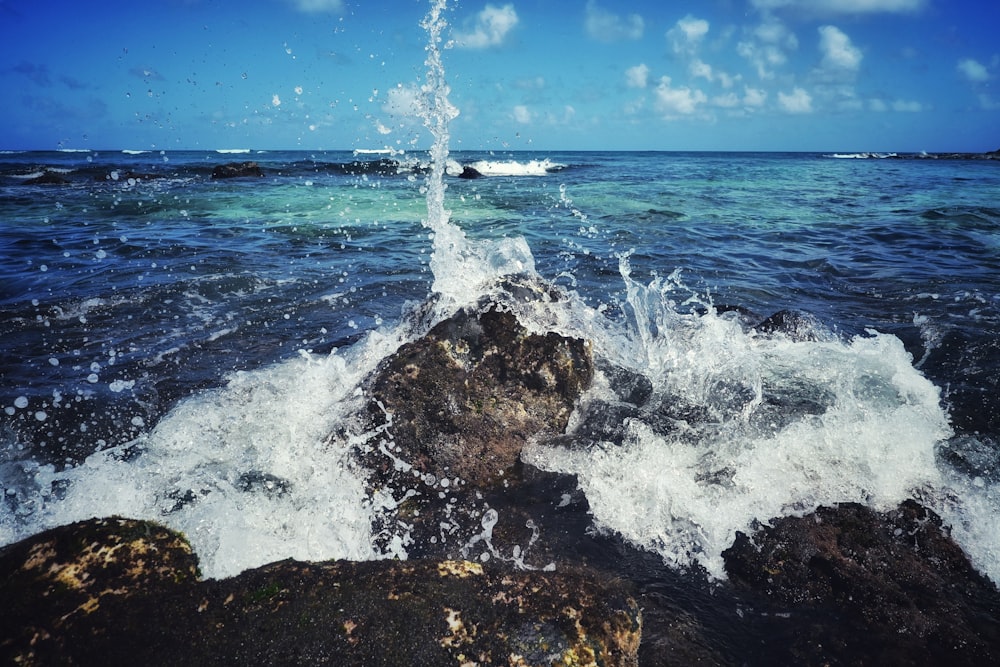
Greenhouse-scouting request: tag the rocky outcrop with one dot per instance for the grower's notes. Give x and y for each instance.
(451, 413)
(867, 587)
(118, 592)
(463, 400)
(48, 177)
(237, 170)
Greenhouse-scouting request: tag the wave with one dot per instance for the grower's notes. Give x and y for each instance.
(515, 168)
(134, 152)
(861, 156)
(232, 151)
(378, 151)
(73, 150)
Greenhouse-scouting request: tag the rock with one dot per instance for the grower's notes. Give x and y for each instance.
(237, 170)
(447, 419)
(796, 325)
(891, 587)
(55, 581)
(144, 605)
(470, 173)
(47, 178)
(464, 400)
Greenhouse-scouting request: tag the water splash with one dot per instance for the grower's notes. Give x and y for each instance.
(460, 266)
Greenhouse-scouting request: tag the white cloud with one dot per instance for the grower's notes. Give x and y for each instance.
(875, 104)
(838, 52)
(522, 114)
(988, 103)
(727, 101)
(907, 106)
(797, 101)
(672, 101)
(754, 97)
(701, 69)
(490, 29)
(833, 7)
(604, 26)
(318, 6)
(973, 70)
(767, 45)
(687, 34)
(403, 101)
(637, 77)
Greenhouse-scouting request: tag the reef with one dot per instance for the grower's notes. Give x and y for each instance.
(237, 170)
(116, 591)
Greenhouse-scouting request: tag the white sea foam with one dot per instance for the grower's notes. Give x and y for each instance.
(232, 151)
(515, 168)
(767, 427)
(247, 472)
(133, 152)
(861, 156)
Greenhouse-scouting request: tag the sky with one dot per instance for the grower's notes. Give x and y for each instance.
(730, 75)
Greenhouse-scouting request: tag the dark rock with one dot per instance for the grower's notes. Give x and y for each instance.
(470, 173)
(797, 325)
(237, 170)
(118, 592)
(464, 400)
(447, 419)
(57, 580)
(894, 587)
(47, 178)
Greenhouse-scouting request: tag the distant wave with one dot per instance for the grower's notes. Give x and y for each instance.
(231, 151)
(515, 168)
(41, 172)
(861, 156)
(73, 150)
(377, 151)
(12, 152)
(132, 152)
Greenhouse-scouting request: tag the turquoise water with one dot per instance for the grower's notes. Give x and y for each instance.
(164, 332)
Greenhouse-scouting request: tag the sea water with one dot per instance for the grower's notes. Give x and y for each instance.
(179, 348)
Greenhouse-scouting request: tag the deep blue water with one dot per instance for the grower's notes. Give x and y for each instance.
(142, 286)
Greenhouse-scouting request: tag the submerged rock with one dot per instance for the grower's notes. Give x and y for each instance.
(125, 592)
(237, 170)
(891, 588)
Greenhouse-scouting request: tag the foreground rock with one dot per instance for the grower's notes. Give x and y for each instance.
(116, 591)
(451, 413)
(872, 588)
(237, 170)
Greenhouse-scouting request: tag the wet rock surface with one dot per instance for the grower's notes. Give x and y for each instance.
(452, 412)
(504, 564)
(142, 604)
(871, 588)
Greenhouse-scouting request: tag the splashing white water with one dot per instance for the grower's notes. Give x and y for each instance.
(459, 265)
(745, 427)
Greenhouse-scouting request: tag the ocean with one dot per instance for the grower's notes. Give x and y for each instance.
(180, 348)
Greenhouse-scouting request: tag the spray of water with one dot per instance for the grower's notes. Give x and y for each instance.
(459, 265)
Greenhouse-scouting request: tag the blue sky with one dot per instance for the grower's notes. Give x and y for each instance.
(878, 75)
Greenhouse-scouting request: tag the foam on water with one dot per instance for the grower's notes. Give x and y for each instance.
(515, 168)
(248, 472)
(745, 428)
